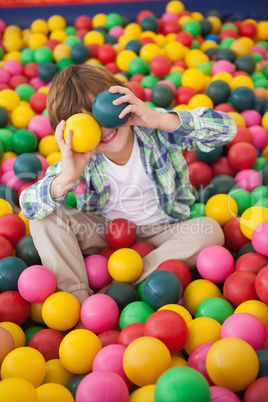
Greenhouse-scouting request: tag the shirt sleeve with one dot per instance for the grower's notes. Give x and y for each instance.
(36, 202)
(204, 128)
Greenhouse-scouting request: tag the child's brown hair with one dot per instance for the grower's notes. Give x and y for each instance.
(74, 89)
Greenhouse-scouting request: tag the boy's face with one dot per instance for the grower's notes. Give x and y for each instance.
(114, 141)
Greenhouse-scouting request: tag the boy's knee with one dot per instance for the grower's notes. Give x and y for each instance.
(214, 230)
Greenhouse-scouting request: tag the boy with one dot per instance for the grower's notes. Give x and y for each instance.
(137, 172)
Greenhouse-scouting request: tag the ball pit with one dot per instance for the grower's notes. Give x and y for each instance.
(180, 60)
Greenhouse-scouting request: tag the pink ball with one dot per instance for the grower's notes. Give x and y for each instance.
(215, 263)
(258, 49)
(169, 16)
(8, 164)
(147, 94)
(97, 271)
(13, 67)
(247, 327)
(260, 238)
(116, 31)
(100, 386)
(4, 76)
(80, 189)
(40, 126)
(99, 313)
(36, 283)
(251, 117)
(111, 358)
(197, 359)
(221, 394)
(37, 83)
(248, 179)
(223, 66)
(10, 179)
(259, 136)
(2, 26)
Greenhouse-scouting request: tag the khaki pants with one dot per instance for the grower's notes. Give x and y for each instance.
(64, 237)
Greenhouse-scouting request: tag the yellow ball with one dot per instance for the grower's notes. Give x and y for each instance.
(13, 29)
(149, 51)
(56, 372)
(7, 155)
(40, 26)
(255, 307)
(36, 312)
(175, 6)
(262, 30)
(61, 311)
(124, 58)
(160, 40)
(175, 51)
(37, 40)
(232, 363)
(197, 16)
(145, 359)
(133, 29)
(178, 361)
(54, 392)
(198, 291)
(48, 145)
(240, 47)
(201, 330)
(78, 350)
(17, 389)
(251, 218)
(125, 265)
(56, 22)
(185, 18)
(240, 81)
(12, 42)
(59, 35)
(124, 39)
(93, 37)
(17, 333)
(208, 44)
(21, 116)
(15, 55)
(222, 208)
(5, 207)
(182, 311)
(193, 78)
(53, 158)
(264, 152)
(26, 222)
(224, 76)
(238, 119)
(194, 57)
(86, 132)
(200, 100)
(181, 107)
(98, 20)
(9, 99)
(148, 34)
(25, 362)
(216, 23)
(143, 394)
(264, 121)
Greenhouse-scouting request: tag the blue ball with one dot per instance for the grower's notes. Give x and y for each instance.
(106, 113)
(79, 53)
(27, 167)
(262, 355)
(161, 288)
(209, 157)
(46, 71)
(10, 270)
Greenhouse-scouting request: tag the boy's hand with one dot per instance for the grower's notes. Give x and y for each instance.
(142, 114)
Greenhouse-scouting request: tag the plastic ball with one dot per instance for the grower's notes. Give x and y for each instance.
(38, 102)
(51, 391)
(61, 311)
(219, 91)
(178, 268)
(125, 265)
(123, 293)
(197, 359)
(200, 174)
(232, 363)
(10, 270)
(248, 179)
(247, 327)
(46, 71)
(198, 291)
(13, 307)
(102, 385)
(7, 343)
(109, 337)
(120, 233)
(261, 284)
(193, 78)
(97, 271)
(145, 393)
(27, 167)
(24, 141)
(80, 123)
(192, 385)
(36, 283)
(240, 287)
(253, 262)
(135, 312)
(5, 207)
(130, 333)
(223, 394)
(255, 307)
(259, 137)
(12, 228)
(251, 218)
(17, 389)
(262, 357)
(21, 116)
(242, 155)
(257, 390)
(215, 307)
(40, 126)
(9, 99)
(47, 342)
(213, 256)
(106, 113)
(222, 208)
(48, 145)
(201, 330)
(6, 249)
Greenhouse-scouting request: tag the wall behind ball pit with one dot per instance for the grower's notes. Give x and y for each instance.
(23, 16)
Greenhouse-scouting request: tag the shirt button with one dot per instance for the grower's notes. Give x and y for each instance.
(211, 132)
(191, 123)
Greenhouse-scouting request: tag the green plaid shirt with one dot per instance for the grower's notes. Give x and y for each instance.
(161, 154)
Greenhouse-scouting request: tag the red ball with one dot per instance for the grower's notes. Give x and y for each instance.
(261, 284)
(200, 174)
(106, 252)
(169, 327)
(52, 43)
(178, 268)
(30, 70)
(242, 155)
(186, 38)
(137, 77)
(243, 135)
(112, 67)
(38, 102)
(93, 49)
(238, 73)
(13, 307)
(12, 227)
(143, 248)
(240, 287)
(184, 94)
(80, 33)
(247, 29)
(234, 238)
(130, 333)
(252, 262)
(137, 89)
(228, 33)
(47, 342)
(180, 63)
(160, 66)
(17, 80)
(224, 107)
(257, 391)
(82, 22)
(171, 26)
(108, 337)
(6, 249)
(190, 157)
(120, 233)
(106, 53)
(4, 86)
(222, 166)
(146, 39)
(142, 14)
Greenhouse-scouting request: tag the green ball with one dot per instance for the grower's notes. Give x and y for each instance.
(72, 40)
(256, 76)
(195, 44)
(27, 55)
(215, 307)
(63, 63)
(122, 293)
(226, 43)
(149, 23)
(175, 78)
(140, 291)
(6, 138)
(263, 43)
(261, 83)
(197, 210)
(193, 27)
(43, 54)
(229, 26)
(149, 81)
(162, 95)
(245, 63)
(205, 67)
(260, 161)
(30, 332)
(1, 53)
(264, 171)
(3, 117)
(226, 54)
(113, 19)
(206, 27)
(138, 66)
(27, 167)
(259, 193)
(2, 149)
(247, 248)
(243, 98)
(257, 57)
(45, 113)
(24, 141)
(71, 200)
(9, 194)
(182, 384)
(13, 129)
(222, 184)
(262, 203)
(26, 251)
(74, 382)
(265, 70)
(137, 311)
(214, 13)
(219, 91)
(151, 104)
(70, 30)
(242, 198)
(25, 91)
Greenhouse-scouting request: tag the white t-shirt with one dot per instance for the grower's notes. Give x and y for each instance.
(131, 193)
